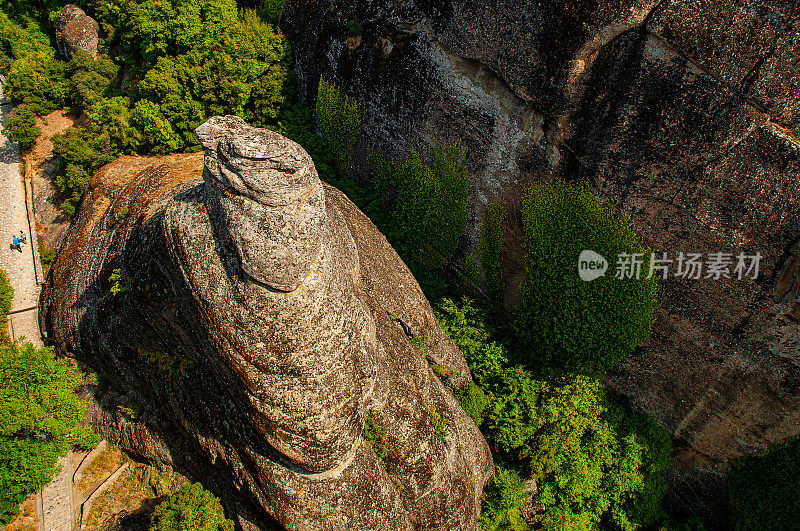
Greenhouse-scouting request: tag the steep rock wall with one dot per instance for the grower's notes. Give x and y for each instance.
(632, 95)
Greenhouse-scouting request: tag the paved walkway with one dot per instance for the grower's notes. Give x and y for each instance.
(55, 501)
(19, 266)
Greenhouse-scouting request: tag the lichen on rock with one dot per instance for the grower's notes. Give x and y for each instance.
(76, 31)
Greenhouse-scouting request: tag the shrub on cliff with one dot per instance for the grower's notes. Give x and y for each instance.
(40, 418)
(563, 321)
(339, 119)
(765, 490)
(592, 462)
(191, 508)
(428, 205)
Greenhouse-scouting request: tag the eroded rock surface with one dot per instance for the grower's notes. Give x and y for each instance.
(76, 31)
(245, 319)
(632, 95)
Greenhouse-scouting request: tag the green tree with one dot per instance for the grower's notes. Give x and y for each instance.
(91, 78)
(192, 508)
(339, 118)
(429, 206)
(22, 128)
(490, 248)
(765, 490)
(505, 496)
(564, 322)
(271, 12)
(19, 38)
(157, 132)
(592, 461)
(38, 81)
(40, 418)
(157, 28)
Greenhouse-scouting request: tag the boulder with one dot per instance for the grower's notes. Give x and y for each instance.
(76, 31)
(255, 320)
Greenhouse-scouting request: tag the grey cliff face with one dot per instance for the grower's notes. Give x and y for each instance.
(258, 320)
(632, 96)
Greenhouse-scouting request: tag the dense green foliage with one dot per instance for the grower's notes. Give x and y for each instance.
(429, 205)
(21, 127)
(183, 61)
(192, 508)
(564, 322)
(591, 461)
(490, 248)
(339, 119)
(40, 419)
(40, 414)
(765, 490)
(6, 296)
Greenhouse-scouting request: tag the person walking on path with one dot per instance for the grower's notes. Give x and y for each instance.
(15, 244)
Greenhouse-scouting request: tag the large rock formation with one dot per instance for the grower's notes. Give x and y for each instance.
(632, 95)
(244, 326)
(76, 31)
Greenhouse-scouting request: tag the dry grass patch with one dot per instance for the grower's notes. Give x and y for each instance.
(103, 466)
(26, 519)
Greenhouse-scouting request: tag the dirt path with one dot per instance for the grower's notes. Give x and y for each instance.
(56, 498)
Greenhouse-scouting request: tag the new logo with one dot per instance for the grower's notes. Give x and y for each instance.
(591, 265)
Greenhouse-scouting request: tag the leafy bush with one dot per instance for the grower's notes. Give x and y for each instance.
(22, 128)
(563, 321)
(490, 247)
(38, 81)
(339, 119)
(6, 297)
(591, 461)
(505, 496)
(429, 209)
(191, 508)
(40, 419)
(765, 490)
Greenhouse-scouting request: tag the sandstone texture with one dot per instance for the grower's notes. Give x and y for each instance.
(245, 320)
(76, 31)
(632, 95)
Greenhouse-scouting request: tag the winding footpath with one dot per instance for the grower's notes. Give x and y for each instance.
(55, 501)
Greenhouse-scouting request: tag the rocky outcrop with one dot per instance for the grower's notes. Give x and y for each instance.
(76, 31)
(246, 321)
(632, 95)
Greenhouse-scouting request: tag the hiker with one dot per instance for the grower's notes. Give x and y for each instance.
(15, 244)
(22, 237)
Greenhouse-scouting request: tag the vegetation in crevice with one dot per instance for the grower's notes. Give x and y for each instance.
(490, 248)
(375, 435)
(563, 321)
